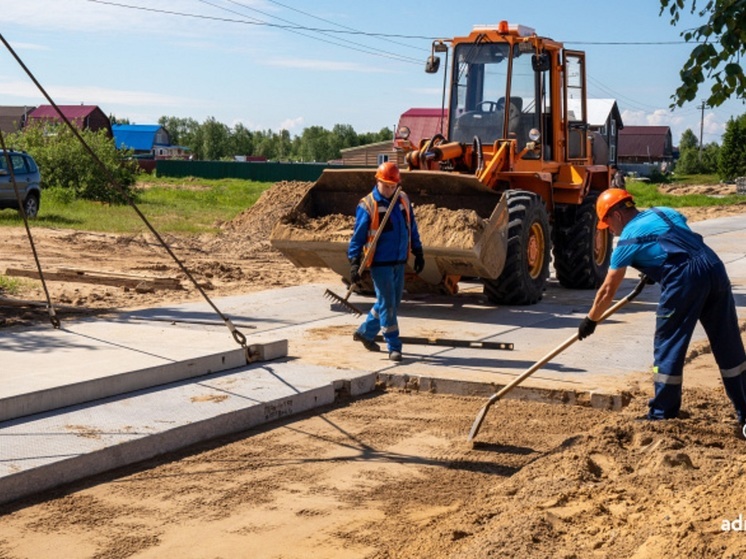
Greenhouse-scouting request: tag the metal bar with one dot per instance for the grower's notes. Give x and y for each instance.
(448, 342)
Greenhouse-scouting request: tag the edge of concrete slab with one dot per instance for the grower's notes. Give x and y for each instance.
(595, 399)
(62, 396)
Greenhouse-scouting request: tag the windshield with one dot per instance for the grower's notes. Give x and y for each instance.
(480, 86)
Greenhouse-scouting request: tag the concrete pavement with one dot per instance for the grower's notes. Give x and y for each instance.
(102, 393)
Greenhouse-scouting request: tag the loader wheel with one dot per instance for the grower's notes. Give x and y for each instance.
(527, 260)
(581, 251)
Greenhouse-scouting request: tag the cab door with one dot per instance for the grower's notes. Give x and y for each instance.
(576, 116)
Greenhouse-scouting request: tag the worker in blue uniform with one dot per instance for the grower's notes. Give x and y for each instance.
(387, 259)
(694, 287)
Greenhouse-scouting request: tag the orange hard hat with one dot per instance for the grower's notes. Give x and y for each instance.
(607, 200)
(388, 172)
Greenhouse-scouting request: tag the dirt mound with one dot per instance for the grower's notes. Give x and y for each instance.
(275, 203)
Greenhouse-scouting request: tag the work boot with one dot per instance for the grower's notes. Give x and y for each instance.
(370, 345)
(395, 355)
(741, 431)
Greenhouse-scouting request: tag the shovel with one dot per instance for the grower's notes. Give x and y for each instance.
(371, 249)
(544, 360)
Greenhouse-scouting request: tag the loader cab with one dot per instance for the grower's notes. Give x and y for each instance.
(494, 92)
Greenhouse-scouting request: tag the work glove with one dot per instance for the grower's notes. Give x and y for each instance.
(586, 328)
(419, 261)
(355, 271)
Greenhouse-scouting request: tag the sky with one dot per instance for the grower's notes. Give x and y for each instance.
(292, 64)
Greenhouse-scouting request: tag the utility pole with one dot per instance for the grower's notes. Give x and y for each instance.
(701, 130)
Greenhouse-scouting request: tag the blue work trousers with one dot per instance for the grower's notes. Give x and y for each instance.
(696, 288)
(389, 285)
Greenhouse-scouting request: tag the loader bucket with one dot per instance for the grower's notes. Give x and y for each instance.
(462, 224)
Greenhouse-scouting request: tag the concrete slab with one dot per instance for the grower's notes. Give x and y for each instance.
(105, 360)
(46, 450)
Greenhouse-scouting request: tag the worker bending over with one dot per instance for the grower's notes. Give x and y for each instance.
(694, 286)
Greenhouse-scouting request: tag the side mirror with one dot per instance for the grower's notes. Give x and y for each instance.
(540, 62)
(432, 65)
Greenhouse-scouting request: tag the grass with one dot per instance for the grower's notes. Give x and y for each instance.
(647, 195)
(187, 205)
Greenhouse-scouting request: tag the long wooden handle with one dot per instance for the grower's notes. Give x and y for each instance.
(567, 343)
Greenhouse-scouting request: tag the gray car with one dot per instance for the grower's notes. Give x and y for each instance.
(28, 179)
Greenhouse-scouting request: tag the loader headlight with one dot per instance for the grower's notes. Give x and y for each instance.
(403, 132)
(534, 135)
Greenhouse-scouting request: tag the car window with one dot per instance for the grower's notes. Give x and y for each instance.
(19, 164)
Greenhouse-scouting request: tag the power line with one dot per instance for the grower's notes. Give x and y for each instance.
(339, 24)
(258, 23)
(356, 46)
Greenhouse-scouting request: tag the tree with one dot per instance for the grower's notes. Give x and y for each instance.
(373, 137)
(732, 162)
(214, 140)
(241, 140)
(317, 145)
(65, 163)
(721, 46)
(688, 140)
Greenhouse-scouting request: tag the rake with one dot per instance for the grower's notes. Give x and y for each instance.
(343, 301)
(539, 364)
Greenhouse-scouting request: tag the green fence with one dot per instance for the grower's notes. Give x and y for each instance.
(261, 172)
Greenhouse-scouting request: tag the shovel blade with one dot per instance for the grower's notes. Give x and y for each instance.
(477, 422)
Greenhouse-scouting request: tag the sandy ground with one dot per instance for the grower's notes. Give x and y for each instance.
(391, 475)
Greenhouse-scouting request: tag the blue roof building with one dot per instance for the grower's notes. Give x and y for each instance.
(141, 138)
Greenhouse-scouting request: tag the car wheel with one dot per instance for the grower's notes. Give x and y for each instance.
(31, 206)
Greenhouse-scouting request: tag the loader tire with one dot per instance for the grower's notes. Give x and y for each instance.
(581, 251)
(524, 276)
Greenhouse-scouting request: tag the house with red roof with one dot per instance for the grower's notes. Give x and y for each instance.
(85, 117)
(645, 144)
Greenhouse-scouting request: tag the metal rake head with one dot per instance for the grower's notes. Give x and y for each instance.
(343, 302)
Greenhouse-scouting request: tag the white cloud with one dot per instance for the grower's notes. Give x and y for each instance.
(29, 46)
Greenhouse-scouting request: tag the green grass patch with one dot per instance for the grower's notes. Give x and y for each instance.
(695, 179)
(647, 195)
(170, 205)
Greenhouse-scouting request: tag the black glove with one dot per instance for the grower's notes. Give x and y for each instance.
(419, 261)
(355, 271)
(586, 328)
